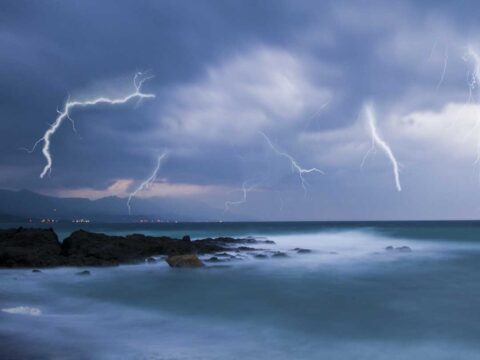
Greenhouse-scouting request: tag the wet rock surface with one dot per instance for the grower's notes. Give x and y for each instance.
(302, 251)
(40, 248)
(29, 248)
(184, 261)
(83, 273)
(151, 260)
(403, 249)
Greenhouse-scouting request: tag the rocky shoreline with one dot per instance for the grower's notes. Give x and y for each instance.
(40, 248)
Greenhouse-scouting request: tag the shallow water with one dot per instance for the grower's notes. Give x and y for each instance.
(348, 299)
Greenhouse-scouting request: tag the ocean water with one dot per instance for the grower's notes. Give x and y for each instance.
(347, 299)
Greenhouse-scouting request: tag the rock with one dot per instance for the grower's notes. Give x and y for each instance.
(88, 249)
(269, 242)
(29, 248)
(151, 260)
(83, 273)
(246, 248)
(36, 248)
(214, 259)
(184, 261)
(260, 256)
(399, 249)
(279, 254)
(36, 271)
(225, 255)
(302, 251)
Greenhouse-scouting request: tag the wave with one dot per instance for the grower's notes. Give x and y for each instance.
(23, 310)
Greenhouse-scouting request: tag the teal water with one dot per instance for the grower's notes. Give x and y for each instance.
(348, 299)
(437, 230)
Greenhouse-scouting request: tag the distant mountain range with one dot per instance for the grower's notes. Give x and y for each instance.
(17, 206)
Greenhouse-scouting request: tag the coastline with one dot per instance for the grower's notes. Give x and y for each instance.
(40, 248)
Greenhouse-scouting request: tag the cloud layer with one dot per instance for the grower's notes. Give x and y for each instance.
(225, 72)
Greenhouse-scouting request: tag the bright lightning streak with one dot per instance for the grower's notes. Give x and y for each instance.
(295, 166)
(138, 81)
(376, 139)
(245, 191)
(317, 113)
(146, 183)
(472, 86)
(475, 77)
(445, 64)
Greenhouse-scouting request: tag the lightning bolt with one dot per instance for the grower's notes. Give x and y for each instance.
(146, 183)
(445, 64)
(377, 140)
(472, 86)
(138, 81)
(475, 75)
(295, 166)
(245, 191)
(317, 113)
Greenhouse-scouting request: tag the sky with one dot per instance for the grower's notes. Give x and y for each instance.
(246, 94)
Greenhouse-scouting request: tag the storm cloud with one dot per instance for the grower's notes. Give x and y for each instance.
(226, 71)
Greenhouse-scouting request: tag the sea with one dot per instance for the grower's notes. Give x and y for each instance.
(348, 298)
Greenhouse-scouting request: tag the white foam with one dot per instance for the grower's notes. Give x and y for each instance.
(23, 310)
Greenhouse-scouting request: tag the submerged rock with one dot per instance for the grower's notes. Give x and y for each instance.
(246, 248)
(399, 249)
(151, 260)
(224, 254)
(36, 271)
(184, 261)
(302, 251)
(261, 256)
(84, 273)
(279, 254)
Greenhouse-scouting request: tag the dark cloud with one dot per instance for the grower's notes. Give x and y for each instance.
(225, 70)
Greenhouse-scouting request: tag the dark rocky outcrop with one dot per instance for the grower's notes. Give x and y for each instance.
(41, 248)
(29, 248)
